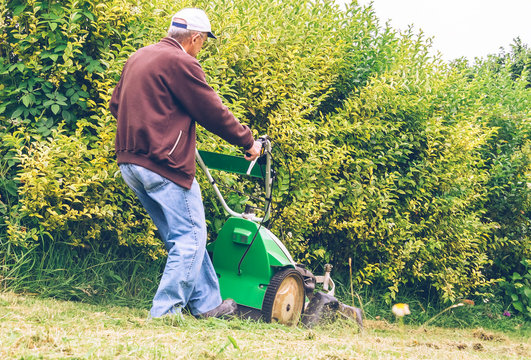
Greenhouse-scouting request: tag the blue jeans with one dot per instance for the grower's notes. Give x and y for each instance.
(189, 277)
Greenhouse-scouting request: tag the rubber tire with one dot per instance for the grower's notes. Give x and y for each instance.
(284, 298)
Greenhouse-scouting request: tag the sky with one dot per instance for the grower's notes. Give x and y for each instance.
(460, 28)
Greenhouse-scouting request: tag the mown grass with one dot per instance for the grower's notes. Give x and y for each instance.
(34, 328)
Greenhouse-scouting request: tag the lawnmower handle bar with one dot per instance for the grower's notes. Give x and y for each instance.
(268, 182)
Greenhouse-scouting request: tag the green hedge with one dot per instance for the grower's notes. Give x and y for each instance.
(416, 170)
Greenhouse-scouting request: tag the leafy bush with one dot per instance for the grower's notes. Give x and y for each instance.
(70, 194)
(505, 100)
(518, 289)
(53, 55)
(58, 64)
(393, 180)
(55, 62)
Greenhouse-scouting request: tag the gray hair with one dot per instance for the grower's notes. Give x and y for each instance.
(181, 34)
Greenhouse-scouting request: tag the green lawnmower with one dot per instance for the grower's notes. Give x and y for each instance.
(253, 266)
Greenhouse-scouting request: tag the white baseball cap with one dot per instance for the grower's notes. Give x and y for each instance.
(195, 19)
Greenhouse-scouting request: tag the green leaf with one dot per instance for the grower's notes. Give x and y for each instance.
(48, 122)
(19, 9)
(67, 116)
(518, 306)
(89, 15)
(61, 97)
(60, 48)
(56, 108)
(17, 113)
(76, 17)
(517, 276)
(11, 187)
(53, 25)
(44, 131)
(26, 100)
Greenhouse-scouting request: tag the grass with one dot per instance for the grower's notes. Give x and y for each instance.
(57, 270)
(109, 319)
(34, 328)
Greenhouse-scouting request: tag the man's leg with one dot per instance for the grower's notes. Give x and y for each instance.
(200, 301)
(153, 208)
(187, 274)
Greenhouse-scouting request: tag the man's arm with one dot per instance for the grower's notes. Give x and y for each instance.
(113, 104)
(204, 105)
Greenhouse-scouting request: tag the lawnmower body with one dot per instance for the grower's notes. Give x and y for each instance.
(253, 266)
(245, 271)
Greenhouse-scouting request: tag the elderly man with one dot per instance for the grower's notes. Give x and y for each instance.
(161, 95)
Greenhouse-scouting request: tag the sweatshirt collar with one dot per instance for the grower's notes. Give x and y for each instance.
(176, 42)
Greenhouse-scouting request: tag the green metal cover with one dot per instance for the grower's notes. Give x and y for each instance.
(262, 261)
(230, 163)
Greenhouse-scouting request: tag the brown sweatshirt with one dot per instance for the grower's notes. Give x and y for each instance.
(161, 94)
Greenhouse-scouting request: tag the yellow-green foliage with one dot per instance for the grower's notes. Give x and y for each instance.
(54, 55)
(59, 63)
(392, 181)
(70, 193)
(387, 156)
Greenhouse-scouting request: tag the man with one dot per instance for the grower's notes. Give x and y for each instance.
(161, 94)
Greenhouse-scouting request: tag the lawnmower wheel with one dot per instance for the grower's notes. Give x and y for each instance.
(284, 298)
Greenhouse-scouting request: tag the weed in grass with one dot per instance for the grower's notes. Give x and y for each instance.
(445, 310)
(230, 341)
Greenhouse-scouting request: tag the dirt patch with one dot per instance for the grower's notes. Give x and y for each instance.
(379, 325)
(486, 336)
(426, 344)
(478, 347)
(458, 346)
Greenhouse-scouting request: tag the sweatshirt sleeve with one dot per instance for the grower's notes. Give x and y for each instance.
(204, 105)
(115, 99)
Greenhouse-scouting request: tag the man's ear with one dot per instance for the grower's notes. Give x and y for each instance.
(197, 35)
